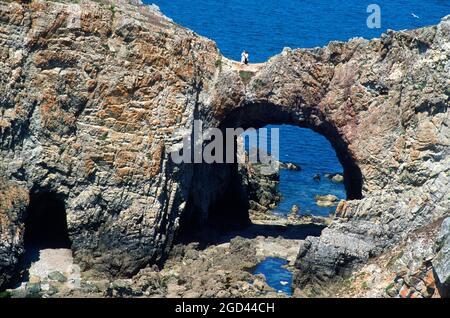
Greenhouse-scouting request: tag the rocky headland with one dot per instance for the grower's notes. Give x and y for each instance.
(92, 94)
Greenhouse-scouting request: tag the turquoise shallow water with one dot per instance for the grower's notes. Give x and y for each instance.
(265, 27)
(277, 277)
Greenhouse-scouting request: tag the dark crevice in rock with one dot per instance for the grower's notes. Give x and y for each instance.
(377, 88)
(46, 223)
(432, 109)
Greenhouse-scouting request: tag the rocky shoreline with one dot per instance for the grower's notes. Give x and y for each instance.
(222, 270)
(417, 268)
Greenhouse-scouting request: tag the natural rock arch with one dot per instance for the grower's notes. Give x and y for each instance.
(255, 115)
(92, 122)
(366, 93)
(218, 196)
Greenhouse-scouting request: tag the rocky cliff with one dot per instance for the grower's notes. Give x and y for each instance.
(92, 92)
(90, 96)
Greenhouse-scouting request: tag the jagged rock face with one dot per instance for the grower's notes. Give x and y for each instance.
(90, 96)
(90, 102)
(383, 104)
(262, 187)
(12, 209)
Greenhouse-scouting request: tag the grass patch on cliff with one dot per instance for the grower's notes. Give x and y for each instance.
(365, 286)
(389, 287)
(218, 63)
(246, 76)
(104, 136)
(112, 8)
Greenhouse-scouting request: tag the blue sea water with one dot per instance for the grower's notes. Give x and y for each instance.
(277, 276)
(315, 156)
(264, 28)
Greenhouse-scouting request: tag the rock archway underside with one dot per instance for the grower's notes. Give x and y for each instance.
(88, 110)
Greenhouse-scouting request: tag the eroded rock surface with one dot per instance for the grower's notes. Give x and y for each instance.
(408, 270)
(91, 94)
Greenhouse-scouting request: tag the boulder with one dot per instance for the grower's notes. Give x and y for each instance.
(295, 209)
(337, 178)
(326, 200)
(57, 276)
(290, 166)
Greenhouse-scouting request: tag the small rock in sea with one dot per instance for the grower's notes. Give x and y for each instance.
(326, 200)
(259, 283)
(328, 197)
(290, 166)
(325, 204)
(316, 177)
(57, 276)
(295, 209)
(337, 178)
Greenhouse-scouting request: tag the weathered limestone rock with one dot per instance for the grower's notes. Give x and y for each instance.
(407, 270)
(91, 94)
(326, 200)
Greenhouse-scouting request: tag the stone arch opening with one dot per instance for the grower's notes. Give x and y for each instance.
(217, 195)
(258, 115)
(46, 222)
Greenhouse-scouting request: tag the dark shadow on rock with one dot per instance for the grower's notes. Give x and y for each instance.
(210, 236)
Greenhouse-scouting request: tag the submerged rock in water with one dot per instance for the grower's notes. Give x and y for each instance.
(290, 166)
(295, 209)
(337, 178)
(326, 200)
(277, 276)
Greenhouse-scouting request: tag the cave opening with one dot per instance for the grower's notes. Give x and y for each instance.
(45, 231)
(46, 222)
(219, 196)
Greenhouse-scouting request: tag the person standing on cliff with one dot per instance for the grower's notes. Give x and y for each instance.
(244, 57)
